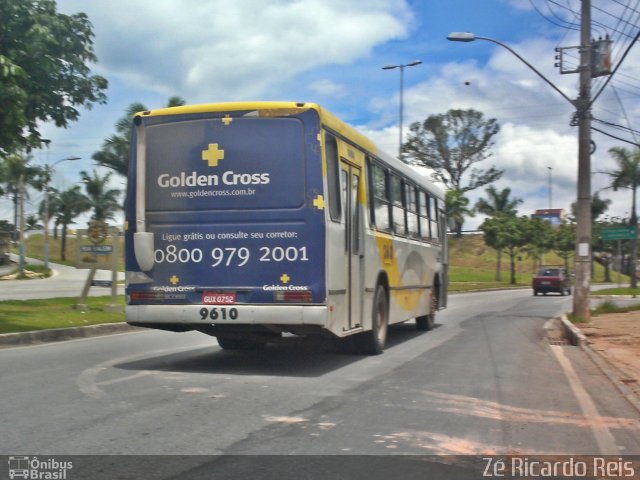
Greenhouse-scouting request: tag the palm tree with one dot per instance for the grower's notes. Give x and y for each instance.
(498, 203)
(71, 203)
(457, 206)
(116, 149)
(101, 199)
(628, 176)
(14, 171)
(32, 222)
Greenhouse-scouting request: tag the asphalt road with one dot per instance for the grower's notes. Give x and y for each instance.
(484, 382)
(65, 282)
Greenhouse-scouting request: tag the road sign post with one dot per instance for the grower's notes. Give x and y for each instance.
(627, 232)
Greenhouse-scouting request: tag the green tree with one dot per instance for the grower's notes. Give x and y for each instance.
(564, 241)
(70, 203)
(498, 203)
(457, 207)
(43, 70)
(540, 239)
(116, 149)
(628, 176)
(101, 199)
(452, 144)
(53, 194)
(508, 232)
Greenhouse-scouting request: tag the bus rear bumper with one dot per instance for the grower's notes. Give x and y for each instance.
(227, 314)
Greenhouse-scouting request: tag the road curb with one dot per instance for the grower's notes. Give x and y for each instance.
(62, 334)
(577, 338)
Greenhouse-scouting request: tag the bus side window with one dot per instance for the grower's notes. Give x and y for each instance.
(398, 214)
(412, 210)
(435, 234)
(380, 198)
(423, 205)
(333, 177)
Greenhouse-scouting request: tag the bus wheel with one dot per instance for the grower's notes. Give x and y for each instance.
(372, 342)
(425, 323)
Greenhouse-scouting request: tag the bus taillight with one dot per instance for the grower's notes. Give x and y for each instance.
(294, 297)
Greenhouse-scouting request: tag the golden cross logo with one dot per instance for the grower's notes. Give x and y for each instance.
(174, 280)
(227, 120)
(285, 278)
(318, 202)
(213, 154)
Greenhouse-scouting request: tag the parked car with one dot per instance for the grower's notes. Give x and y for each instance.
(552, 279)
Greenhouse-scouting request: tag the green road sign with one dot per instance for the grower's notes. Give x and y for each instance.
(619, 233)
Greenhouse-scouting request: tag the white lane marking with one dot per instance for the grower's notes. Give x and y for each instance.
(604, 438)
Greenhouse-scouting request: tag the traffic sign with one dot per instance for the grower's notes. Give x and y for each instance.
(619, 233)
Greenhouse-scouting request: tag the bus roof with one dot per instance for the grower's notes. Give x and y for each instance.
(279, 108)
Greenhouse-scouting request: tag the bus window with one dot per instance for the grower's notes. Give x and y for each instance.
(399, 224)
(423, 206)
(380, 199)
(435, 234)
(333, 180)
(412, 210)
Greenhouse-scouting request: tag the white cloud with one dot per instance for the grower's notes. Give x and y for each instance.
(230, 50)
(326, 88)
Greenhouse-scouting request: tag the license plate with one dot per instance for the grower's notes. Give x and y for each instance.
(219, 298)
(546, 283)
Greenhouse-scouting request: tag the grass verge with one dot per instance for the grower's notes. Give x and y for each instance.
(29, 315)
(31, 272)
(605, 307)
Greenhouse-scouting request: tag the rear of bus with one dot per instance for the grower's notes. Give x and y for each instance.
(225, 221)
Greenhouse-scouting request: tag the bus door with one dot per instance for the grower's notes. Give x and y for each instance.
(350, 180)
(444, 253)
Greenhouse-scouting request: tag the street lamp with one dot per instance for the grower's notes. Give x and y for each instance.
(470, 37)
(48, 171)
(581, 307)
(401, 67)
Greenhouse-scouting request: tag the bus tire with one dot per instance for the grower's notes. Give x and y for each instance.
(373, 341)
(424, 323)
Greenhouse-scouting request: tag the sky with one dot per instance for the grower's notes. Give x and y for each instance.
(332, 52)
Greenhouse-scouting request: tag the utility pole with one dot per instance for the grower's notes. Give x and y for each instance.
(581, 303)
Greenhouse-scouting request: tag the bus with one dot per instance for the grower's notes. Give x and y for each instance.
(257, 221)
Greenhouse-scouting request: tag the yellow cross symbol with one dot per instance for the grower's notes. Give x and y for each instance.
(318, 202)
(213, 154)
(227, 120)
(174, 280)
(285, 278)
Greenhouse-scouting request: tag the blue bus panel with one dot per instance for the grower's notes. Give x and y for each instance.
(236, 209)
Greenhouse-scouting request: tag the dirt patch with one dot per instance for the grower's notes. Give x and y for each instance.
(616, 336)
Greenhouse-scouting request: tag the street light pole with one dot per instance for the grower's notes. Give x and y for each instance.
(581, 303)
(401, 67)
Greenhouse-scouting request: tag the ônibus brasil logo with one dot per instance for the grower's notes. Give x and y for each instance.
(37, 468)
